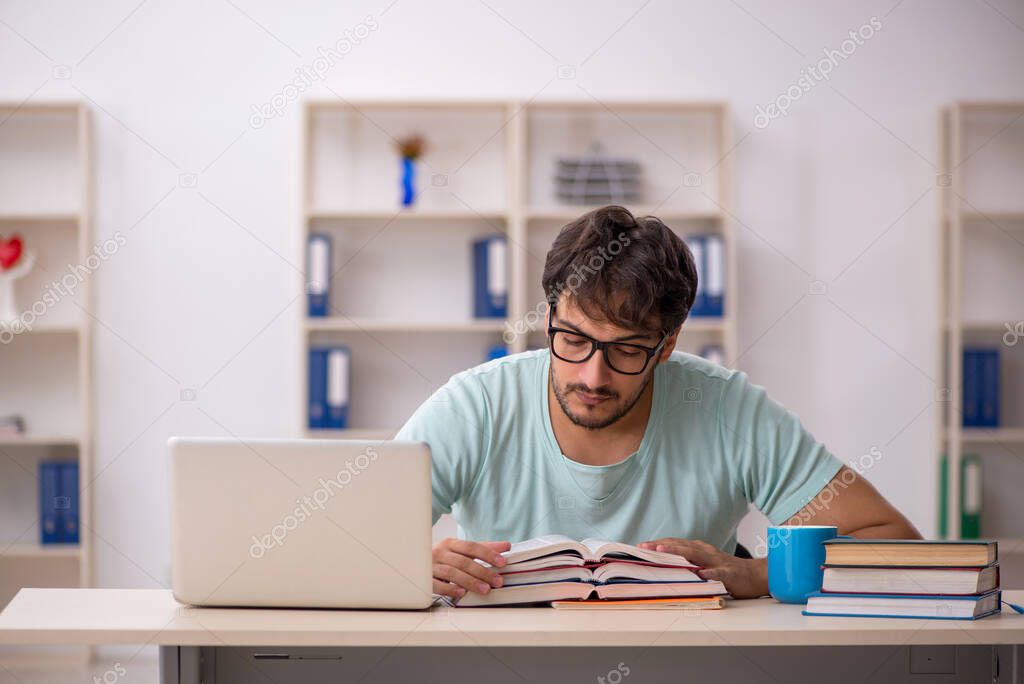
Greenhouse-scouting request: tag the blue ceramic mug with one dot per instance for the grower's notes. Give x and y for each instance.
(795, 555)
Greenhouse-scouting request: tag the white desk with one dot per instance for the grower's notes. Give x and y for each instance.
(492, 638)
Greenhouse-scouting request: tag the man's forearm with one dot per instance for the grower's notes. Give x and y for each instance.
(899, 529)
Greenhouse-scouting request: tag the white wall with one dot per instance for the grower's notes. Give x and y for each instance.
(205, 293)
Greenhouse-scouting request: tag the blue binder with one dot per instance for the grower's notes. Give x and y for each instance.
(714, 275)
(971, 388)
(988, 362)
(68, 498)
(49, 485)
(490, 277)
(696, 244)
(318, 274)
(317, 388)
(339, 363)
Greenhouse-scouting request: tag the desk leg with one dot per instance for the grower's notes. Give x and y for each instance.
(180, 665)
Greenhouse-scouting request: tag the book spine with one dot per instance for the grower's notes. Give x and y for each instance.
(49, 483)
(68, 498)
(318, 274)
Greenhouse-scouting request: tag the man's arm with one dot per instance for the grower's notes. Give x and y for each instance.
(849, 502)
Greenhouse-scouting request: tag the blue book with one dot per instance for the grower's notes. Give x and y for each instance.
(696, 244)
(988, 372)
(496, 352)
(490, 277)
(317, 388)
(67, 497)
(919, 606)
(49, 512)
(318, 274)
(714, 275)
(971, 388)
(339, 364)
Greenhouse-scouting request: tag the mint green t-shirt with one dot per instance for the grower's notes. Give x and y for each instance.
(713, 443)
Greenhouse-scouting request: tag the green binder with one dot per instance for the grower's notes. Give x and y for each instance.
(970, 496)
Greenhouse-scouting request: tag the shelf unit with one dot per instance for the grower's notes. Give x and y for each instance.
(45, 195)
(488, 169)
(982, 276)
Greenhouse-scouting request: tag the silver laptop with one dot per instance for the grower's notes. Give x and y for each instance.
(301, 523)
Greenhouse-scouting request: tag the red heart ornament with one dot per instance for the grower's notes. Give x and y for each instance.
(10, 251)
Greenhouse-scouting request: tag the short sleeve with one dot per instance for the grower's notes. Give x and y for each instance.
(455, 422)
(779, 465)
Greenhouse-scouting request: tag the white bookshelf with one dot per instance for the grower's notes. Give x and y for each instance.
(488, 169)
(982, 278)
(45, 195)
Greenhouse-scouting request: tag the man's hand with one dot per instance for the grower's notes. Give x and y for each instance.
(743, 577)
(456, 570)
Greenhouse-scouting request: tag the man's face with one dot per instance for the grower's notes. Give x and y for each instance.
(591, 394)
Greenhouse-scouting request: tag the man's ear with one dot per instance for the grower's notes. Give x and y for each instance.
(670, 345)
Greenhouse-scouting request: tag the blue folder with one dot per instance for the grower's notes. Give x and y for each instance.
(68, 500)
(49, 513)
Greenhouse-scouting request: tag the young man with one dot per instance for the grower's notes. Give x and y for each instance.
(610, 433)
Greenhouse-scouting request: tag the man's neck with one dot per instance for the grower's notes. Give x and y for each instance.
(603, 446)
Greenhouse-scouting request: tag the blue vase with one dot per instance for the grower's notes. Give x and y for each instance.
(408, 178)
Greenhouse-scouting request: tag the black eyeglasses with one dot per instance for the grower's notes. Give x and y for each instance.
(622, 357)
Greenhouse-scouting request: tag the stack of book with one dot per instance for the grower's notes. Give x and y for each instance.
(954, 580)
(575, 574)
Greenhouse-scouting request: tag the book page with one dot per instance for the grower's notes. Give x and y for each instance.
(600, 548)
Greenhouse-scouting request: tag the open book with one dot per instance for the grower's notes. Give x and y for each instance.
(555, 567)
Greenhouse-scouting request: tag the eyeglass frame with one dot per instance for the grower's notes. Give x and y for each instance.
(598, 344)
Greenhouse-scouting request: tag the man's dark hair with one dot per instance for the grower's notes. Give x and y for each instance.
(609, 252)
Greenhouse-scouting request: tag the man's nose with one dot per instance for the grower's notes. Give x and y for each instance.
(595, 372)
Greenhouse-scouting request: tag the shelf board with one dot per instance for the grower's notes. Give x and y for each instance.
(30, 439)
(455, 214)
(569, 213)
(343, 324)
(992, 435)
(39, 551)
(999, 217)
(39, 217)
(65, 329)
(353, 433)
(981, 326)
